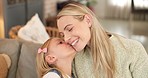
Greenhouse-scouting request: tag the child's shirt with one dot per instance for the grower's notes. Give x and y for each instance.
(51, 75)
(54, 74)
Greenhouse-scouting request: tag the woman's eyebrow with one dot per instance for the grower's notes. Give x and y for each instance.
(67, 26)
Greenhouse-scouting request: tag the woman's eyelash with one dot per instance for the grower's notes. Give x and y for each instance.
(70, 29)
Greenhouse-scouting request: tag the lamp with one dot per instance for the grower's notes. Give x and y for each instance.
(2, 32)
(1, 29)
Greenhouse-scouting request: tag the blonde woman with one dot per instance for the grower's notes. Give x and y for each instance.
(101, 54)
(54, 59)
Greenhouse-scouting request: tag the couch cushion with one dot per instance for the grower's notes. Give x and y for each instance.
(34, 31)
(11, 48)
(27, 61)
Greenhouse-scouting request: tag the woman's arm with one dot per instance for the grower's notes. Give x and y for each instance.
(139, 67)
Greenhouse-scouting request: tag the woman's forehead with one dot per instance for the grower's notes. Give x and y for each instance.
(63, 22)
(66, 19)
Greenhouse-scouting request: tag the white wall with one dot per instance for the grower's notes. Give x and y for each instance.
(49, 8)
(100, 8)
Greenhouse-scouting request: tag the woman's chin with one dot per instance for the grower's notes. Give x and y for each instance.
(78, 49)
(79, 46)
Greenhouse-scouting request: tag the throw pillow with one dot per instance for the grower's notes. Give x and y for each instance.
(34, 31)
(4, 65)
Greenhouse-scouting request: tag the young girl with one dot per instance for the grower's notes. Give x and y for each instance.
(54, 59)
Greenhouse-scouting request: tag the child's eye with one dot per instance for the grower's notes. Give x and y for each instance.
(60, 42)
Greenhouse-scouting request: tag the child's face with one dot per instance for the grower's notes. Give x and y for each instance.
(60, 49)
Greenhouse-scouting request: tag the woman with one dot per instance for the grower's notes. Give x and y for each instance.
(54, 59)
(101, 54)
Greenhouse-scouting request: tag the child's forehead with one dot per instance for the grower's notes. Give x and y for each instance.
(55, 40)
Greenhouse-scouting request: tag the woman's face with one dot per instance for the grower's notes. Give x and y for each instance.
(60, 49)
(75, 32)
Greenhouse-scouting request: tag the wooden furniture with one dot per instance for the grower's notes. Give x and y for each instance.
(52, 32)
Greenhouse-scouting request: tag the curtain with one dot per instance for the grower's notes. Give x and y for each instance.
(118, 9)
(121, 9)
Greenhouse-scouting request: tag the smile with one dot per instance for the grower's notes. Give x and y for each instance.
(74, 42)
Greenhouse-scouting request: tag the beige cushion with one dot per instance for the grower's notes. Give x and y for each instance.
(27, 61)
(34, 31)
(3, 66)
(11, 48)
(7, 59)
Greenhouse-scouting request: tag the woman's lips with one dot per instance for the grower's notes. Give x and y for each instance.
(74, 42)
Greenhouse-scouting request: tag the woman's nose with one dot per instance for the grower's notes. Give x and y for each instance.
(67, 39)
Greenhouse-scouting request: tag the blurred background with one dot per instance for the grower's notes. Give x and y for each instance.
(128, 18)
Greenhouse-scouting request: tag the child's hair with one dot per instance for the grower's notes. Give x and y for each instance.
(42, 66)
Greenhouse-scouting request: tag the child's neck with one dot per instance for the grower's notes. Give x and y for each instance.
(65, 65)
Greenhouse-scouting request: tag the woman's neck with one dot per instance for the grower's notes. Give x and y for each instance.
(65, 65)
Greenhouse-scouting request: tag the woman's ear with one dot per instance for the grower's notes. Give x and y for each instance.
(50, 59)
(88, 19)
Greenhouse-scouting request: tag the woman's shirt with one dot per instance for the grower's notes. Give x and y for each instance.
(131, 60)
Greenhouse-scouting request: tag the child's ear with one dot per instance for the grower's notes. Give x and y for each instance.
(88, 19)
(50, 59)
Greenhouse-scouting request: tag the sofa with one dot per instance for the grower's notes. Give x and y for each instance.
(23, 57)
(22, 53)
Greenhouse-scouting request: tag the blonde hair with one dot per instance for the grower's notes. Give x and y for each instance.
(102, 50)
(42, 66)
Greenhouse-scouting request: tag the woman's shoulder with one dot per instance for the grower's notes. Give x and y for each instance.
(131, 46)
(130, 56)
(118, 39)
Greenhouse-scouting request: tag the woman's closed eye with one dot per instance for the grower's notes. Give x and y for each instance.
(70, 29)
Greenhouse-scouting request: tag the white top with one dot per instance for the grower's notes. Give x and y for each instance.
(53, 75)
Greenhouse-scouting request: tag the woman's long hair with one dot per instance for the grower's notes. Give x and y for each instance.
(102, 50)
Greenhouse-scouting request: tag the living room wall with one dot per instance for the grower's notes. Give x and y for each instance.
(19, 13)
